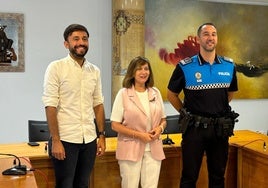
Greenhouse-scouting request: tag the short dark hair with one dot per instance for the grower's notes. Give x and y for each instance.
(74, 27)
(133, 66)
(201, 26)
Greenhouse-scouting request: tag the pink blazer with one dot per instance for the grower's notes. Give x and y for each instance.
(132, 149)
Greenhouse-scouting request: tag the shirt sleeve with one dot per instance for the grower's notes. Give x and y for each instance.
(51, 86)
(233, 85)
(118, 108)
(177, 80)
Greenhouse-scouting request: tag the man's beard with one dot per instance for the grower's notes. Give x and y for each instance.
(78, 55)
(209, 49)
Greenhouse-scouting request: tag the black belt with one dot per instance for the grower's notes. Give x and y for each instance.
(204, 121)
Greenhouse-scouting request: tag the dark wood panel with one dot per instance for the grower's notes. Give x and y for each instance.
(253, 169)
(44, 172)
(170, 168)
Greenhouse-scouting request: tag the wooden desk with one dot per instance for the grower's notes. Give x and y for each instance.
(15, 181)
(106, 170)
(252, 159)
(44, 173)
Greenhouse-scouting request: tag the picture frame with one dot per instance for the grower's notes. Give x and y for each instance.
(12, 42)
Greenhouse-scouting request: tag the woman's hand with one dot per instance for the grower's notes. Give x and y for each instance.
(155, 133)
(145, 137)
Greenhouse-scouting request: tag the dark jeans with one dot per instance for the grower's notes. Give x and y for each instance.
(196, 142)
(74, 170)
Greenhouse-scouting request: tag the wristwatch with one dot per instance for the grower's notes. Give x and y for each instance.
(101, 133)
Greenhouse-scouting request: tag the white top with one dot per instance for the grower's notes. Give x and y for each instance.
(143, 96)
(74, 91)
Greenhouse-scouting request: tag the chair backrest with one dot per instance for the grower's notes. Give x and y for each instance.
(108, 129)
(109, 132)
(172, 125)
(38, 131)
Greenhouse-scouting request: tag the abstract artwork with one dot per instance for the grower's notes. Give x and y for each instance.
(170, 36)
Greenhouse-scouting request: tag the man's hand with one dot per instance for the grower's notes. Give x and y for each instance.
(58, 150)
(101, 146)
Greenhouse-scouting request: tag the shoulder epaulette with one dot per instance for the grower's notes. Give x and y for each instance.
(228, 59)
(186, 61)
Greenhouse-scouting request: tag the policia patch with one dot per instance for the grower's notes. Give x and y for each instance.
(186, 61)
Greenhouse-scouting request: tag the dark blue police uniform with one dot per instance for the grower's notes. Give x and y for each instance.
(205, 88)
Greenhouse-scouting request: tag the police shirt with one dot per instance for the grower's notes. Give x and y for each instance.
(205, 86)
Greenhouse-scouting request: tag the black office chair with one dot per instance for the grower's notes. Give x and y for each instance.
(109, 132)
(172, 128)
(38, 131)
(172, 125)
(108, 129)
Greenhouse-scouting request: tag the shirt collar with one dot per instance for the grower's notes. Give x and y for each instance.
(86, 64)
(202, 61)
(72, 60)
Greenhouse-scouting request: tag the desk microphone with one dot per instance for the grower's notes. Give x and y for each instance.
(16, 170)
(167, 141)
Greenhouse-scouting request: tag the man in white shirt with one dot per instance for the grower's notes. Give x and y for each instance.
(73, 98)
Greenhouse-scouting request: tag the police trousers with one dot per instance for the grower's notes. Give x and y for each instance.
(196, 142)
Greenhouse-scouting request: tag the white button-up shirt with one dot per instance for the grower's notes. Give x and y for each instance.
(74, 91)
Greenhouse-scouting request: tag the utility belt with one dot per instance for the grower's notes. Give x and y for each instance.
(204, 122)
(223, 126)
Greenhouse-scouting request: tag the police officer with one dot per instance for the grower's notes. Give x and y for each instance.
(208, 82)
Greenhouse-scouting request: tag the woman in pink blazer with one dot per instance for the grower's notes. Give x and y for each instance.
(139, 118)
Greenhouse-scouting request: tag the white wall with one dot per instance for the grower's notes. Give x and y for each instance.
(44, 23)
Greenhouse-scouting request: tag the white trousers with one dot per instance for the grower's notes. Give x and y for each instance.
(146, 172)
